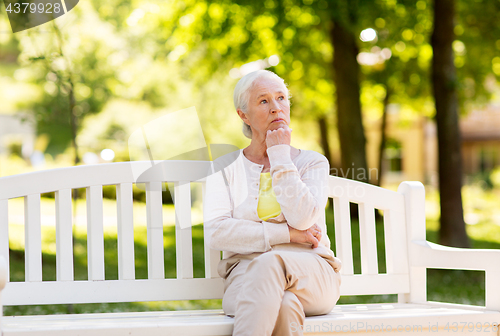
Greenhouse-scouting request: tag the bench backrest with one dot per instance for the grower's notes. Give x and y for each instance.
(184, 287)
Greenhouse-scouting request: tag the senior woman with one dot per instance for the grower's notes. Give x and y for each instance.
(266, 212)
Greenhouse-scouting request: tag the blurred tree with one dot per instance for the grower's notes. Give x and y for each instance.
(344, 15)
(395, 66)
(405, 74)
(452, 231)
(73, 77)
(476, 48)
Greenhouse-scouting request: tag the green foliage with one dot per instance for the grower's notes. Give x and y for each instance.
(483, 179)
(219, 35)
(15, 148)
(170, 54)
(477, 49)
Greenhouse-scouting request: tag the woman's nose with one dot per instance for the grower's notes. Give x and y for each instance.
(275, 107)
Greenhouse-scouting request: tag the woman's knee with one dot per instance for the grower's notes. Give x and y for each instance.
(324, 301)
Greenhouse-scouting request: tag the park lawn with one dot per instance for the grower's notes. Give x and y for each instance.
(465, 287)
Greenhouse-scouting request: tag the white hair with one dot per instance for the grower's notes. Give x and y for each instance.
(241, 94)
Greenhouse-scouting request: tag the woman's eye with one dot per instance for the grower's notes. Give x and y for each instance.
(281, 97)
(263, 101)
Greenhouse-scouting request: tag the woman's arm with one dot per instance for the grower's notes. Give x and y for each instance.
(236, 235)
(302, 198)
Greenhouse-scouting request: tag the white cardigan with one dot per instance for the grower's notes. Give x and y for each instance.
(231, 197)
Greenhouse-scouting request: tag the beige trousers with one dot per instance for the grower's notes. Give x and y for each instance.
(272, 293)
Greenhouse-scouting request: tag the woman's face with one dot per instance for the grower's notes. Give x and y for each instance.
(268, 107)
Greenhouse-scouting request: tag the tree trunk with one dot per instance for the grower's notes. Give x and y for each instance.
(73, 118)
(452, 231)
(73, 122)
(383, 137)
(350, 127)
(323, 131)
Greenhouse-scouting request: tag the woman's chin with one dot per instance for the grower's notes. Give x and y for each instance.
(277, 124)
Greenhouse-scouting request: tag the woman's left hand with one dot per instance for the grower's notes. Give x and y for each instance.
(280, 136)
(310, 236)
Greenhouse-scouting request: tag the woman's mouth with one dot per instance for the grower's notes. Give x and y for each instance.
(278, 120)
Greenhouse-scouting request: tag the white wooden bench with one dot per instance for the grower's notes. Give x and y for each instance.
(407, 253)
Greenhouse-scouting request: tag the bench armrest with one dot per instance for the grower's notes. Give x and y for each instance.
(430, 255)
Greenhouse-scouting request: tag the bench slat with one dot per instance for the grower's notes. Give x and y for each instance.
(125, 231)
(4, 232)
(395, 244)
(212, 257)
(343, 241)
(64, 236)
(368, 239)
(183, 230)
(33, 238)
(58, 292)
(156, 267)
(95, 233)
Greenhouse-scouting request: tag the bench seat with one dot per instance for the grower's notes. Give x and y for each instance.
(347, 319)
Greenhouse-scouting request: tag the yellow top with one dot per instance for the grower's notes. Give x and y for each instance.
(268, 206)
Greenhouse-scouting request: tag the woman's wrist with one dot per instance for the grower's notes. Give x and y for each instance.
(278, 233)
(279, 154)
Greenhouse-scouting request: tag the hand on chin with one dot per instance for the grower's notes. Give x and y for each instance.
(278, 136)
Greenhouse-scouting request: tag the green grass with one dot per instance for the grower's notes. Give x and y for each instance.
(443, 285)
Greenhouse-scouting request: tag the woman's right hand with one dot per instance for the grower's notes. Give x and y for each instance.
(309, 236)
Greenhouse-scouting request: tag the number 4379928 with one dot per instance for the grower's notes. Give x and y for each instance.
(26, 8)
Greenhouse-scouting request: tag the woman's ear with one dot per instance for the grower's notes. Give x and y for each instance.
(243, 116)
